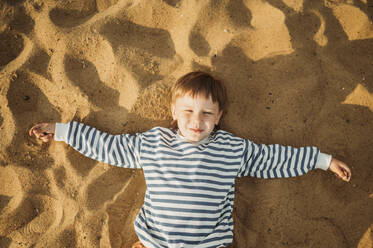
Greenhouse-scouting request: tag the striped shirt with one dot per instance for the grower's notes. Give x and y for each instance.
(189, 186)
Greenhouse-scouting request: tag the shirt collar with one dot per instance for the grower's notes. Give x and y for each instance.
(203, 141)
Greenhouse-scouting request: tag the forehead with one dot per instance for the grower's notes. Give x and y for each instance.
(197, 100)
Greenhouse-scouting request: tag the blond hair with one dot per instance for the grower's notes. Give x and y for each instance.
(200, 83)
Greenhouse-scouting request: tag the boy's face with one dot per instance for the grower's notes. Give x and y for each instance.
(196, 117)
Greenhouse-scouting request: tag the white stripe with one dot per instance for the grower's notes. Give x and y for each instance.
(84, 140)
(101, 146)
(191, 191)
(71, 138)
(196, 184)
(287, 157)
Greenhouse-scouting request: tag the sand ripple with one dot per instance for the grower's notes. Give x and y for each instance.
(297, 73)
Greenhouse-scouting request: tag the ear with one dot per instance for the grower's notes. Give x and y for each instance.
(173, 111)
(219, 116)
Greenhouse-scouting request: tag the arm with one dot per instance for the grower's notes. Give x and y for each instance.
(119, 150)
(276, 161)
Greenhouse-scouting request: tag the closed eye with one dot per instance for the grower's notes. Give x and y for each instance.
(207, 113)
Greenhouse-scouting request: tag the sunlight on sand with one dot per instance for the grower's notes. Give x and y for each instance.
(355, 23)
(367, 240)
(296, 5)
(320, 37)
(269, 36)
(360, 96)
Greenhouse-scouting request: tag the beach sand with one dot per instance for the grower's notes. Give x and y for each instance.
(297, 72)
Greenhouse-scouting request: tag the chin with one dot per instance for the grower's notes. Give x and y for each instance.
(196, 138)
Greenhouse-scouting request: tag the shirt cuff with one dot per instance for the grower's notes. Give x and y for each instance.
(323, 161)
(60, 133)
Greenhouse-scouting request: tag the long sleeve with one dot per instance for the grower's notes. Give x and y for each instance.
(120, 150)
(276, 161)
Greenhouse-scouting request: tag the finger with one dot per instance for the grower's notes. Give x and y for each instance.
(347, 175)
(340, 173)
(37, 133)
(346, 171)
(50, 137)
(31, 132)
(47, 138)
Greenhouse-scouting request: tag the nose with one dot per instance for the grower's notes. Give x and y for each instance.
(196, 119)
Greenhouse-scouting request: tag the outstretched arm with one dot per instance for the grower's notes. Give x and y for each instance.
(119, 150)
(276, 161)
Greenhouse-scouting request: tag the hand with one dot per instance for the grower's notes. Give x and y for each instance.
(43, 131)
(340, 169)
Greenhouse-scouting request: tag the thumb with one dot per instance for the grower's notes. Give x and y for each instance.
(340, 172)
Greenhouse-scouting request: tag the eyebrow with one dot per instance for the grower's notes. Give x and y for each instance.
(205, 109)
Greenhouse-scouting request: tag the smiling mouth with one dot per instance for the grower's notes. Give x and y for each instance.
(196, 130)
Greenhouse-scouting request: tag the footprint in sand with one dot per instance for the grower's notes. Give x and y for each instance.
(38, 63)
(84, 75)
(67, 238)
(11, 192)
(218, 26)
(173, 3)
(106, 186)
(26, 217)
(14, 2)
(139, 48)
(68, 14)
(22, 22)
(11, 45)
(122, 212)
(104, 4)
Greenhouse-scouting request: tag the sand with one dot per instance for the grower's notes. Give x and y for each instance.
(297, 73)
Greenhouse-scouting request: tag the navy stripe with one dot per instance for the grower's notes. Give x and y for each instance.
(75, 136)
(81, 140)
(309, 166)
(297, 161)
(118, 148)
(185, 187)
(183, 210)
(185, 218)
(273, 155)
(184, 225)
(187, 166)
(254, 158)
(170, 193)
(284, 161)
(183, 159)
(86, 141)
(288, 164)
(104, 148)
(110, 150)
(185, 202)
(91, 145)
(184, 173)
(179, 179)
(193, 152)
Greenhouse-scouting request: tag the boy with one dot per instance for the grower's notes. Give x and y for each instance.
(190, 171)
